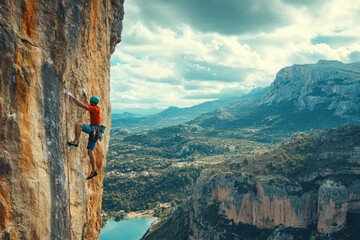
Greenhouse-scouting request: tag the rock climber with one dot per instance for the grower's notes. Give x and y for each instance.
(95, 122)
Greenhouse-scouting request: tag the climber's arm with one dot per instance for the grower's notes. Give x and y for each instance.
(80, 104)
(84, 95)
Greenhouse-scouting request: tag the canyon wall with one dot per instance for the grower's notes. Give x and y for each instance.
(320, 202)
(231, 204)
(45, 45)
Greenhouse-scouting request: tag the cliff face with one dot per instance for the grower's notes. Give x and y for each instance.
(330, 85)
(230, 204)
(45, 45)
(318, 199)
(323, 200)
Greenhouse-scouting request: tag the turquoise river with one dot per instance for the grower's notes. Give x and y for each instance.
(126, 229)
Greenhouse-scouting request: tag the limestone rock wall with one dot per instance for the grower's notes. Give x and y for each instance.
(332, 206)
(322, 201)
(263, 203)
(45, 45)
(234, 202)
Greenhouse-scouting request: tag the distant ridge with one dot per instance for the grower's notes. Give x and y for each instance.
(136, 112)
(174, 115)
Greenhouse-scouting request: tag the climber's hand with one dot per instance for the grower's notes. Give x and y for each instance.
(83, 92)
(69, 94)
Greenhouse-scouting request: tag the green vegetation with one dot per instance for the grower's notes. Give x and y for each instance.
(292, 158)
(146, 192)
(303, 153)
(148, 169)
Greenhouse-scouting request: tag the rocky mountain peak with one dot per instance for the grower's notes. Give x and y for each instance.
(331, 85)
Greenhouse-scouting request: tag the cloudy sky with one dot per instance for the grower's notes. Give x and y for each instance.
(184, 52)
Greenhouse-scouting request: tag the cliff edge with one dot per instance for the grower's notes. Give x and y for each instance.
(45, 45)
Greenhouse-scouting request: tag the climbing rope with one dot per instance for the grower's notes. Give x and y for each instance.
(67, 163)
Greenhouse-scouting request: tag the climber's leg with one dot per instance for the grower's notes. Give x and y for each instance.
(78, 128)
(92, 159)
(91, 146)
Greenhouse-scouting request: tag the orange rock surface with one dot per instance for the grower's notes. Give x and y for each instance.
(44, 45)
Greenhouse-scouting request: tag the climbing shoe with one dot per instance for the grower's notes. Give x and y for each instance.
(92, 174)
(73, 143)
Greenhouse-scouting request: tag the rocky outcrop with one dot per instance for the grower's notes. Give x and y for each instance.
(259, 202)
(332, 206)
(330, 85)
(322, 201)
(230, 199)
(45, 45)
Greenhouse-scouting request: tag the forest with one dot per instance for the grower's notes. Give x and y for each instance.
(162, 166)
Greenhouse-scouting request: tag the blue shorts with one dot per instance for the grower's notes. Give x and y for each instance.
(92, 141)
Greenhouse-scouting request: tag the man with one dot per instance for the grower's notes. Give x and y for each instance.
(95, 120)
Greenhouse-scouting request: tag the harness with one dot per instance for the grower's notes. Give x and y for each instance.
(96, 132)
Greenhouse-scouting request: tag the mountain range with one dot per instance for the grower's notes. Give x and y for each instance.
(175, 115)
(302, 97)
(134, 112)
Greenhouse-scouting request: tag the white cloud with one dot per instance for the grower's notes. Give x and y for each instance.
(158, 65)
